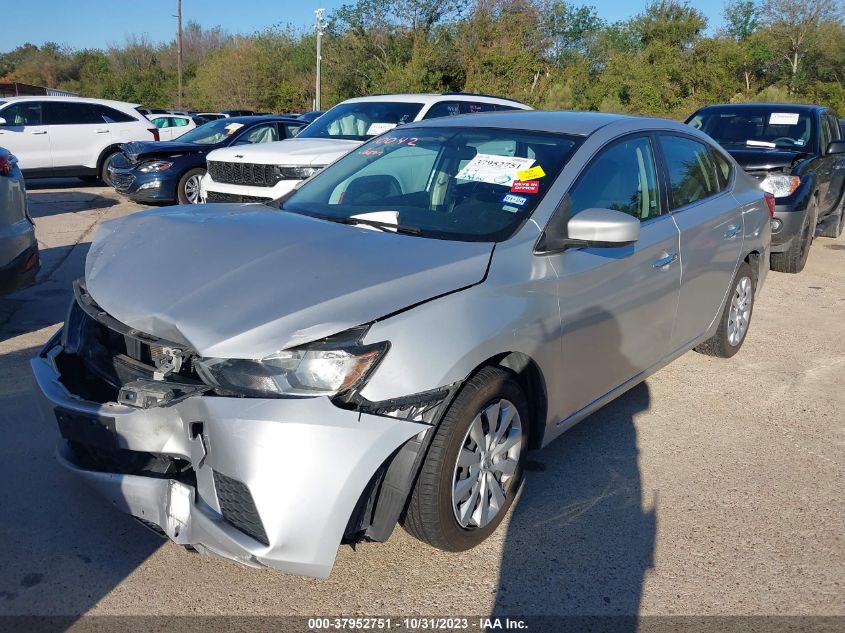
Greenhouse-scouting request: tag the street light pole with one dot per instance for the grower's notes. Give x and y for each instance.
(321, 24)
(179, 49)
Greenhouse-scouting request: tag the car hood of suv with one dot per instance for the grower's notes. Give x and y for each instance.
(244, 281)
(762, 159)
(314, 152)
(140, 150)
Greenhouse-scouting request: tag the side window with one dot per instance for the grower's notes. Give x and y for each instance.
(110, 115)
(70, 113)
(179, 121)
(259, 134)
(22, 113)
(825, 134)
(834, 127)
(160, 122)
(443, 108)
(723, 169)
(622, 178)
(692, 175)
(291, 129)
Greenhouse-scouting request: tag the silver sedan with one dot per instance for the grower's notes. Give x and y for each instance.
(18, 247)
(386, 343)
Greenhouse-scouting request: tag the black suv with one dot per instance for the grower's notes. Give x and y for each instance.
(798, 154)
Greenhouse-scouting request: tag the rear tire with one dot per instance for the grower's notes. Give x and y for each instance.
(188, 189)
(794, 258)
(473, 469)
(104, 169)
(736, 316)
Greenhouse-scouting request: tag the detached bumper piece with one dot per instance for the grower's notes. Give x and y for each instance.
(265, 482)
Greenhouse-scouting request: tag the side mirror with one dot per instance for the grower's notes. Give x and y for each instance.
(603, 228)
(836, 147)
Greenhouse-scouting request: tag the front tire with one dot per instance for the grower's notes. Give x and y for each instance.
(188, 189)
(736, 316)
(794, 258)
(473, 469)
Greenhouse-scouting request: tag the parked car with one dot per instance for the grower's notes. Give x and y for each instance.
(312, 115)
(796, 153)
(19, 261)
(386, 342)
(261, 174)
(69, 136)
(172, 126)
(170, 171)
(211, 116)
(237, 112)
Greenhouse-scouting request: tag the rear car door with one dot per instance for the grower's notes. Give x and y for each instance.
(618, 304)
(165, 133)
(77, 133)
(699, 179)
(25, 135)
(835, 167)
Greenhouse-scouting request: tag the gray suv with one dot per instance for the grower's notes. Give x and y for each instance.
(386, 342)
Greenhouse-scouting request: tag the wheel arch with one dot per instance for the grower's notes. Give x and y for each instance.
(109, 149)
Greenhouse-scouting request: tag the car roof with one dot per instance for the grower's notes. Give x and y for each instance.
(762, 105)
(426, 98)
(257, 118)
(560, 122)
(111, 102)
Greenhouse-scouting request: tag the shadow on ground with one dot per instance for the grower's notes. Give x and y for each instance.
(55, 203)
(582, 510)
(63, 548)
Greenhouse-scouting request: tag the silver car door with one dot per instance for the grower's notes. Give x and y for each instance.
(710, 221)
(618, 304)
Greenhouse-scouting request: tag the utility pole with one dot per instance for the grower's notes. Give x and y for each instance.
(321, 24)
(179, 49)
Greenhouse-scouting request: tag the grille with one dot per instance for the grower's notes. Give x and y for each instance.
(122, 182)
(238, 508)
(216, 196)
(252, 174)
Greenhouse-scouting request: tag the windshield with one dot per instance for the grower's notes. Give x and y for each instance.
(361, 121)
(475, 184)
(765, 127)
(211, 133)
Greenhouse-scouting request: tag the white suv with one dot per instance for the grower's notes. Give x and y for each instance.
(257, 173)
(69, 136)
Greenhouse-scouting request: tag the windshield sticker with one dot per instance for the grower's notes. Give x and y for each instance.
(531, 174)
(233, 127)
(510, 209)
(511, 198)
(525, 186)
(783, 118)
(410, 141)
(371, 152)
(760, 143)
(379, 128)
(494, 169)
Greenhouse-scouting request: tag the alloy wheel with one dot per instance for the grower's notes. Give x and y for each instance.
(192, 189)
(487, 462)
(740, 311)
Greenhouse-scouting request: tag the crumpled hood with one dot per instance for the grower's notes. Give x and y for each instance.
(314, 152)
(753, 159)
(139, 150)
(244, 281)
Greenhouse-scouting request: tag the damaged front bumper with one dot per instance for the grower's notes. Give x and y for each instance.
(265, 482)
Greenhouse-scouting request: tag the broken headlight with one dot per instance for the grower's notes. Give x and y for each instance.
(326, 368)
(780, 185)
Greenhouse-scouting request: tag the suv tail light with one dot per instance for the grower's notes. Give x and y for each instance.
(770, 202)
(7, 163)
(154, 130)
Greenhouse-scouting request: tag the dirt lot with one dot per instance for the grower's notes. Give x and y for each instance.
(714, 488)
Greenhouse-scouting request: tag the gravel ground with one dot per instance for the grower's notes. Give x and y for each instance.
(713, 488)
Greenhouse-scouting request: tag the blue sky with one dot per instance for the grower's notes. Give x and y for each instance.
(96, 24)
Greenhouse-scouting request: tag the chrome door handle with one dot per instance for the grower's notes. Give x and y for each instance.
(102, 131)
(731, 232)
(664, 262)
(39, 131)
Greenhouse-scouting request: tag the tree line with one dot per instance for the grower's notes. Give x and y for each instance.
(550, 54)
